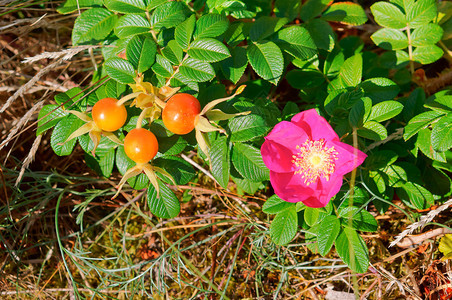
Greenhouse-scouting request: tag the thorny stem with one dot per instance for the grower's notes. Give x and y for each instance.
(410, 50)
(176, 71)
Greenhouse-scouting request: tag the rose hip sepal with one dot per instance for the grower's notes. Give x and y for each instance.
(150, 99)
(307, 161)
(108, 115)
(141, 146)
(203, 122)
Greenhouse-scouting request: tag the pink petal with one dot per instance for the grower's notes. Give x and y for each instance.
(287, 186)
(324, 191)
(349, 158)
(276, 157)
(288, 135)
(314, 125)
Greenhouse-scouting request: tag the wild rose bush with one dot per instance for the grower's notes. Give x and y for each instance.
(357, 131)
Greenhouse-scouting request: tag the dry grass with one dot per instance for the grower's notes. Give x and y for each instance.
(59, 225)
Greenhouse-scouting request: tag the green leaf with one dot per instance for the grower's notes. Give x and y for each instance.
(417, 195)
(114, 47)
(313, 8)
(265, 26)
(394, 59)
(246, 185)
(353, 250)
(181, 171)
(181, 80)
(424, 142)
(419, 122)
(362, 220)
(172, 145)
(104, 145)
(65, 127)
(396, 175)
(385, 110)
(380, 89)
(126, 6)
(427, 54)
(426, 35)
(345, 12)
(267, 60)
(69, 99)
(287, 8)
(388, 15)
(274, 205)
(120, 70)
(168, 15)
(351, 71)
(436, 180)
(360, 112)
(123, 163)
(103, 162)
(302, 79)
(184, 32)
(248, 162)
(236, 33)
(114, 89)
(92, 26)
(162, 66)
(70, 6)
(234, 66)
(210, 26)
(373, 130)
(390, 39)
(330, 228)
(334, 60)
(246, 128)
(173, 52)
(442, 103)
(48, 117)
(381, 159)
(165, 206)
(129, 25)
(340, 101)
(141, 51)
(197, 70)
(151, 4)
(297, 41)
(442, 134)
(208, 50)
(220, 161)
(421, 13)
(322, 34)
(284, 226)
(311, 215)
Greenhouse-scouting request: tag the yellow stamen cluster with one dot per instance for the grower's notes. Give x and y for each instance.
(315, 160)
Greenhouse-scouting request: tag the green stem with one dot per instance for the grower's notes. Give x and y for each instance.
(447, 52)
(350, 217)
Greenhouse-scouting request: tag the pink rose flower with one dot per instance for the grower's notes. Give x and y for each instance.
(307, 161)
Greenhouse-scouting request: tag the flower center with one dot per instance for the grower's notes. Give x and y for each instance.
(314, 160)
